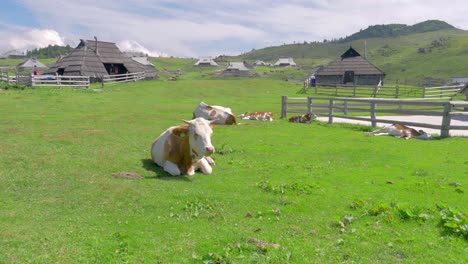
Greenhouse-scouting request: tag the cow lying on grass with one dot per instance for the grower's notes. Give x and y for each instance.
(306, 119)
(221, 114)
(184, 149)
(261, 116)
(400, 131)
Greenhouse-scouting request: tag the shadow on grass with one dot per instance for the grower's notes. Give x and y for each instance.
(160, 174)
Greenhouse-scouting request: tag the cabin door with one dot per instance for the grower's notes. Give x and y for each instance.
(348, 77)
(115, 68)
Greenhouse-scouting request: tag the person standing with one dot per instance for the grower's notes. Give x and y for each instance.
(35, 70)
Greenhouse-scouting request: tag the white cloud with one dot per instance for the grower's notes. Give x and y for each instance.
(31, 38)
(194, 28)
(133, 46)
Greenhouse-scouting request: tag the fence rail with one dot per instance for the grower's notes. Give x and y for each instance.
(362, 107)
(441, 91)
(119, 78)
(343, 90)
(60, 81)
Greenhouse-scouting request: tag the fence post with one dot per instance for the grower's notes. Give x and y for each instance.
(57, 78)
(445, 126)
(372, 114)
(397, 90)
(354, 91)
(330, 111)
(32, 80)
(284, 106)
(424, 92)
(309, 104)
(345, 107)
(375, 91)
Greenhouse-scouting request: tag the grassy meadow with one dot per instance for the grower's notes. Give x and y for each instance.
(279, 193)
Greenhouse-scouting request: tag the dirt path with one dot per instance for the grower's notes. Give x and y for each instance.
(436, 120)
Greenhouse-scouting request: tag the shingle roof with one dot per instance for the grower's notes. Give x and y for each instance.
(237, 66)
(205, 61)
(30, 63)
(89, 56)
(285, 61)
(351, 60)
(357, 64)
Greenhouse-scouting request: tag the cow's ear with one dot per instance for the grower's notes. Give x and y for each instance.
(180, 131)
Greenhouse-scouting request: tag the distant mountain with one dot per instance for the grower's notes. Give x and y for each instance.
(394, 30)
(428, 50)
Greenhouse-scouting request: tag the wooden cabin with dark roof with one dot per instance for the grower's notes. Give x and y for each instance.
(350, 68)
(96, 59)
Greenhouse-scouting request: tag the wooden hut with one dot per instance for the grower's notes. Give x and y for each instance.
(96, 59)
(284, 62)
(350, 68)
(28, 65)
(236, 69)
(205, 62)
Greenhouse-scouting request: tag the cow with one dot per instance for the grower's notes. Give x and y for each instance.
(221, 114)
(306, 118)
(399, 131)
(262, 116)
(183, 149)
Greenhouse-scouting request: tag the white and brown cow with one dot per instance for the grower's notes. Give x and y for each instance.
(306, 118)
(222, 115)
(186, 148)
(400, 131)
(261, 116)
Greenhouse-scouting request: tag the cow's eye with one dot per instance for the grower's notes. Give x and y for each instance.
(195, 136)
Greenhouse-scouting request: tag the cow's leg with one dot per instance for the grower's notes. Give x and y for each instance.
(191, 171)
(171, 168)
(378, 132)
(204, 165)
(210, 160)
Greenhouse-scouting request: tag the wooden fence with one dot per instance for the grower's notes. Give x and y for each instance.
(59, 81)
(360, 108)
(19, 78)
(119, 78)
(342, 90)
(441, 91)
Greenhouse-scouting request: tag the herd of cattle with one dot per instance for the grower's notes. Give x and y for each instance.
(186, 148)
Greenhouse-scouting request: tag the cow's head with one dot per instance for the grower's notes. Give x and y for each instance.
(422, 135)
(199, 133)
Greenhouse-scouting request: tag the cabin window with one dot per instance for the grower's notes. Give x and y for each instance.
(348, 77)
(60, 71)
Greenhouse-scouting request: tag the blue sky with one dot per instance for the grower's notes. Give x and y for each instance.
(196, 28)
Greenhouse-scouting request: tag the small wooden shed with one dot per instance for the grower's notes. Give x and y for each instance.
(350, 68)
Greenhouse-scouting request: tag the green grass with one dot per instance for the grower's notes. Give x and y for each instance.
(279, 193)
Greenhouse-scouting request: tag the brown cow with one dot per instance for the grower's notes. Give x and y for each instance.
(306, 119)
(400, 131)
(184, 149)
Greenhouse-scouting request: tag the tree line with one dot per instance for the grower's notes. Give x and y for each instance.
(51, 51)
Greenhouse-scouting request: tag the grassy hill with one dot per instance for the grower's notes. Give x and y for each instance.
(411, 56)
